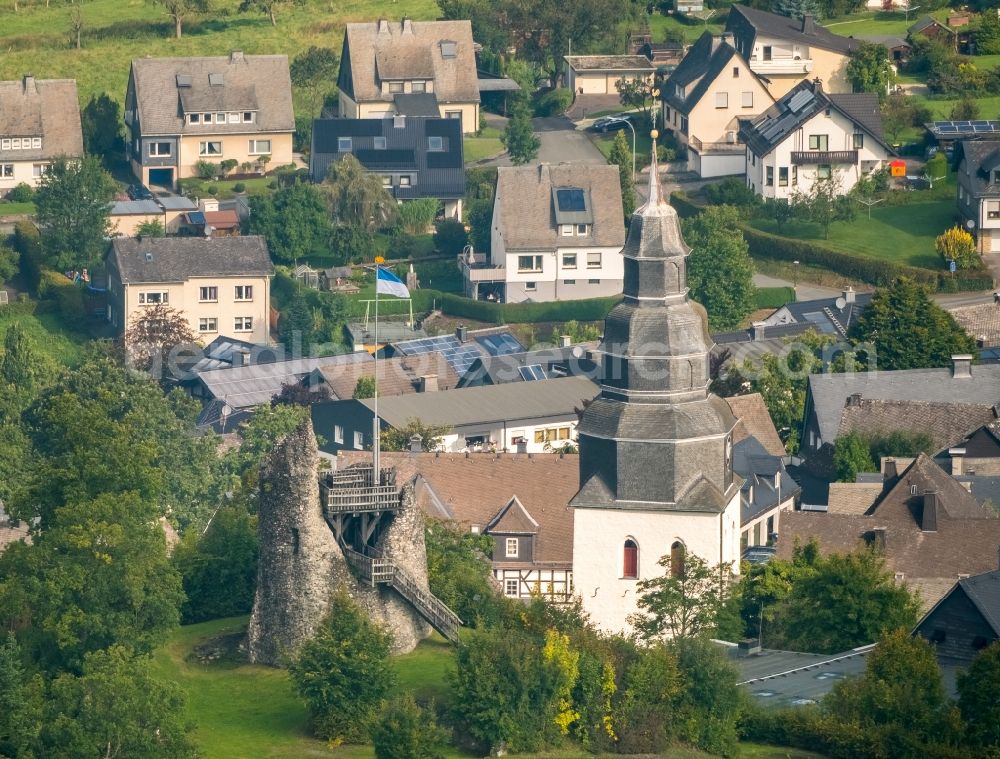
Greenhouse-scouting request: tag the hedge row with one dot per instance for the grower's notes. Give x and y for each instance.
(876, 272)
(592, 309)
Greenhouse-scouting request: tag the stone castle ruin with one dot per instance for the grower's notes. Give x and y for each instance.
(352, 529)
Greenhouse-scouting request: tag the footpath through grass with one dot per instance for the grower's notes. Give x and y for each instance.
(243, 710)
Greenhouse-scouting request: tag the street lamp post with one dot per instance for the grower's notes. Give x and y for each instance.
(795, 275)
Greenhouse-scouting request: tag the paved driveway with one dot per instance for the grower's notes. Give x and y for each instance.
(560, 143)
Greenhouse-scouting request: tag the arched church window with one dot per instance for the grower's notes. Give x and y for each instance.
(677, 551)
(630, 562)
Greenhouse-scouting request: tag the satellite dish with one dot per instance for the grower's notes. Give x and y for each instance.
(970, 224)
(577, 351)
(841, 303)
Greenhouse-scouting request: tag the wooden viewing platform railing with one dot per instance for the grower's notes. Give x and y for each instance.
(356, 489)
(376, 569)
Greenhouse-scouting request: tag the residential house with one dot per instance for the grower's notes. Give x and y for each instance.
(415, 156)
(979, 191)
(704, 100)
(689, 6)
(384, 62)
(221, 286)
(931, 28)
(666, 56)
(39, 121)
(168, 209)
(460, 349)
(930, 529)
(557, 234)
(966, 620)
(532, 418)
(977, 454)
(827, 316)
(598, 74)
(564, 360)
(182, 111)
(899, 47)
(783, 51)
(425, 373)
(945, 402)
(809, 136)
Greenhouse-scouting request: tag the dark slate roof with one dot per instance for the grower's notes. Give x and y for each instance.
(746, 23)
(758, 469)
(177, 259)
(978, 159)
(417, 104)
(46, 108)
(828, 316)
(984, 591)
(827, 393)
(513, 519)
(801, 104)
(259, 83)
(704, 61)
(575, 361)
(434, 174)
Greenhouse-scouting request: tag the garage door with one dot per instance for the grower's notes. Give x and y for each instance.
(995, 243)
(162, 178)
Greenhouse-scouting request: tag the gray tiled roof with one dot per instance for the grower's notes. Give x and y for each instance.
(828, 392)
(984, 591)
(490, 403)
(704, 61)
(746, 20)
(624, 63)
(975, 156)
(258, 83)
(527, 211)
(177, 259)
(758, 468)
(46, 108)
(379, 50)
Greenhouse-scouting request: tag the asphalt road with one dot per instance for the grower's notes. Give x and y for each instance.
(560, 143)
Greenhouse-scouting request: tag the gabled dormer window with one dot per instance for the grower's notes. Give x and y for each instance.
(395, 87)
(194, 118)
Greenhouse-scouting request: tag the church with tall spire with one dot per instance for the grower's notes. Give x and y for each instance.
(656, 474)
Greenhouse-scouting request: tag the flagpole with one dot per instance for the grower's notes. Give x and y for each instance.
(376, 436)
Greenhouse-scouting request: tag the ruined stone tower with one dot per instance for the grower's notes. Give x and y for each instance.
(320, 533)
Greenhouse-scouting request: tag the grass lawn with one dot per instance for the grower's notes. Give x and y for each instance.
(484, 145)
(877, 22)
(15, 209)
(989, 107)
(902, 234)
(643, 146)
(48, 335)
(224, 187)
(660, 24)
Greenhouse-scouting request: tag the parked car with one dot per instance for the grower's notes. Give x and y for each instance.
(611, 123)
(139, 192)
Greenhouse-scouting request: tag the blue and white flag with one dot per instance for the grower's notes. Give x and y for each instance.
(388, 283)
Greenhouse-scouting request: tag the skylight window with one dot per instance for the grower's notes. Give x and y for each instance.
(449, 49)
(571, 199)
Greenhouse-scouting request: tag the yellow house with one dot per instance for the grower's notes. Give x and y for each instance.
(39, 120)
(180, 111)
(783, 51)
(598, 74)
(221, 285)
(413, 68)
(704, 100)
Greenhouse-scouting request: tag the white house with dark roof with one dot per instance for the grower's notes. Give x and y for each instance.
(393, 67)
(979, 191)
(783, 51)
(809, 135)
(221, 285)
(179, 111)
(704, 100)
(557, 234)
(39, 120)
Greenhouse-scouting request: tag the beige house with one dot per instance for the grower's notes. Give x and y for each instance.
(704, 100)
(413, 68)
(979, 191)
(222, 285)
(809, 135)
(597, 74)
(39, 120)
(783, 51)
(179, 111)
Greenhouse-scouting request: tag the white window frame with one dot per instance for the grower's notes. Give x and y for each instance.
(396, 88)
(511, 548)
(208, 294)
(243, 324)
(162, 296)
(233, 118)
(746, 99)
(418, 85)
(721, 100)
(511, 587)
(359, 440)
(582, 230)
(566, 230)
(205, 148)
(208, 324)
(254, 147)
(379, 143)
(435, 143)
(154, 150)
(220, 118)
(194, 118)
(36, 142)
(338, 433)
(534, 265)
(243, 293)
(39, 169)
(593, 260)
(247, 117)
(6, 171)
(387, 180)
(404, 180)
(567, 257)
(530, 287)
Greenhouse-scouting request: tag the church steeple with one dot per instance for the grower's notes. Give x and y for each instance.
(655, 438)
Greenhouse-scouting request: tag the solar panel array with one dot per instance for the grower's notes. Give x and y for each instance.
(956, 128)
(500, 344)
(571, 199)
(459, 355)
(799, 100)
(532, 372)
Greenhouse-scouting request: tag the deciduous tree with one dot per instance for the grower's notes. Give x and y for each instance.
(851, 456)
(824, 204)
(399, 439)
(178, 10)
(357, 197)
(407, 731)
(364, 388)
(102, 128)
(621, 156)
(869, 69)
(720, 271)
(73, 206)
(519, 138)
(955, 244)
(682, 602)
(709, 704)
(979, 698)
(268, 7)
(295, 221)
(153, 338)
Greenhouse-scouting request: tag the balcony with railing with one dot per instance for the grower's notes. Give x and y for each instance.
(806, 157)
(475, 268)
(733, 147)
(781, 65)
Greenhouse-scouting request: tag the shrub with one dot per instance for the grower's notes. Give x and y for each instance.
(554, 102)
(67, 295)
(206, 169)
(21, 194)
(450, 236)
(405, 731)
(239, 187)
(28, 244)
(731, 192)
(957, 245)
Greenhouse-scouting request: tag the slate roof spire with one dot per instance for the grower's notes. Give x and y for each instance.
(655, 438)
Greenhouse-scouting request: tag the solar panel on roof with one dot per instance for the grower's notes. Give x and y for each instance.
(531, 372)
(458, 355)
(980, 123)
(570, 199)
(800, 100)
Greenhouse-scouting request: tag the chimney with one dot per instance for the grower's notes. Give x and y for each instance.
(880, 537)
(462, 333)
(565, 341)
(849, 295)
(383, 26)
(928, 519)
(415, 444)
(407, 25)
(759, 329)
(399, 121)
(817, 85)
(236, 56)
(808, 24)
(854, 399)
(427, 383)
(961, 366)
(29, 84)
(957, 461)
(889, 469)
